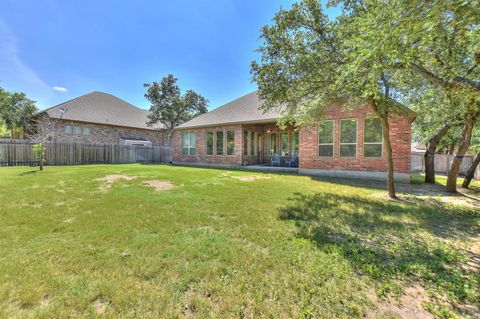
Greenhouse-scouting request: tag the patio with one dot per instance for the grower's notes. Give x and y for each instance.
(266, 167)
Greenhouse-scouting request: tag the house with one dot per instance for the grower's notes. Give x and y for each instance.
(102, 118)
(345, 142)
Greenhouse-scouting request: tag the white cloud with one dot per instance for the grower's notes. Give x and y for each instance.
(60, 89)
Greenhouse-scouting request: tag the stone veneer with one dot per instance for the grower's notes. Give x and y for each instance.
(105, 134)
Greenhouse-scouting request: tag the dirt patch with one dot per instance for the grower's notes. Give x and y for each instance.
(409, 305)
(100, 304)
(247, 178)
(159, 185)
(110, 179)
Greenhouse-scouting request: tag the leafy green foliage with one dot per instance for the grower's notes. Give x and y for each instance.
(15, 110)
(38, 150)
(169, 106)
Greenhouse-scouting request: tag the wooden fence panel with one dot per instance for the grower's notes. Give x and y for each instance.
(442, 163)
(20, 152)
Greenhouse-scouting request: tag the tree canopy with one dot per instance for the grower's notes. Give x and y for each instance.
(15, 110)
(169, 106)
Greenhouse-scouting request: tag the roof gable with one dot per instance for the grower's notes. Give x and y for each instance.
(101, 108)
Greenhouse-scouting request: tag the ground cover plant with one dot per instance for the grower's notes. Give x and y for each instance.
(174, 242)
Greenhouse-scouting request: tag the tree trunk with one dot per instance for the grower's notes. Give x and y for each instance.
(42, 156)
(471, 171)
(462, 149)
(169, 137)
(430, 153)
(388, 148)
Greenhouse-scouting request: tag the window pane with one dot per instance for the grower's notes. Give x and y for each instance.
(373, 130)
(219, 143)
(230, 142)
(193, 142)
(273, 143)
(372, 150)
(185, 151)
(245, 142)
(348, 131)
(295, 142)
(325, 150)
(348, 150)
(209, 139)
(325, 132)
(86, 131)
(185, 139)
(284, 144)
(68, 129)
(253, 143)
(77, 130)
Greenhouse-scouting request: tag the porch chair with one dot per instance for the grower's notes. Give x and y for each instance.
(276, 159)
(293, 161)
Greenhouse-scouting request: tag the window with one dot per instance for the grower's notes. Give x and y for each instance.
(253, 143)
(295, 142)
(219, 148)
(325, 139)
(272, 145)
(284, 144)
(245, 142)
(77, 130)
(86, 131)
(188, 143)
(68, 130)
(348, 138)
(209, 140)
(372, 137)
(230, 142)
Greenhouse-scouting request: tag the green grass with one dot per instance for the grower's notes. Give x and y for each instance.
(215, 246)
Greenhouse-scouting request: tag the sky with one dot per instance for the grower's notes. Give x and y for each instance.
(57, 50)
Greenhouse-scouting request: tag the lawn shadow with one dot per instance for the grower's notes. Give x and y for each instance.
(29, 172)
(394, 241)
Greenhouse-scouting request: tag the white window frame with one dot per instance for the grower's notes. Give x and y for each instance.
(340, 138)
(213, 143)
(189, 146)
(371, 143)
(323, 144)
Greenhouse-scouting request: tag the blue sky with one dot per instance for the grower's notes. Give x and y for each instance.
(57, 50)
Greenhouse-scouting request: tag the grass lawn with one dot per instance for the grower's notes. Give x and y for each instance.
(228, 244)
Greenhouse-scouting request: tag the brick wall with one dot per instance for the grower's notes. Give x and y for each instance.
(400, 135)
(105, 134)
(200, 156)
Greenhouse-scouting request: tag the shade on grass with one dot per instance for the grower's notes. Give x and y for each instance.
(221, 244)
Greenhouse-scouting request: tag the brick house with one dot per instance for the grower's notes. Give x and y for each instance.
(344, 143)
(104, 119)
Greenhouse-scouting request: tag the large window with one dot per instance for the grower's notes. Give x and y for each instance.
(253, 143)
(284, 143)
(272, 143)
(230, 142)
(348, 138)
(68, 130)
(295, 142)
(372, 137)
(219, 144)
(325, 139)
(209, 143)
(188, 143)
(86, 131)
(245, 142)
(77, 130)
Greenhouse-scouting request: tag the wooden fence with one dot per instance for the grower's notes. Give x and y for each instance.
(20, 153)
(442, 163)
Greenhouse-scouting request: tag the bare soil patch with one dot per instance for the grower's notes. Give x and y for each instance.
(247, 178)
(110, 179)
(159, 185)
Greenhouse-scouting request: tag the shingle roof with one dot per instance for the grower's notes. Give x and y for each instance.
(242, 110)
(101, 108)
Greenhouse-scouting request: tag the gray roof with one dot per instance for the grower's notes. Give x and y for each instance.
(101, 108)
(242, 110)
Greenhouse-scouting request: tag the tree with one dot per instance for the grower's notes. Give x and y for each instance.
(170, 107)
(476, 161)
(41, 130)
(439, 41)
(309, 62)
(16, 110)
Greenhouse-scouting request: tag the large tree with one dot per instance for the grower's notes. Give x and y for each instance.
(309, 62)
(438, 40)
(15, 111)
(170, 107)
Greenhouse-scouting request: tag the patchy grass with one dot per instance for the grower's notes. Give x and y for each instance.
(227, 244)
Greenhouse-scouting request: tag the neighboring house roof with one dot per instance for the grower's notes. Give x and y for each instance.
(246, 109)
(242, 110)
(101, 108)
